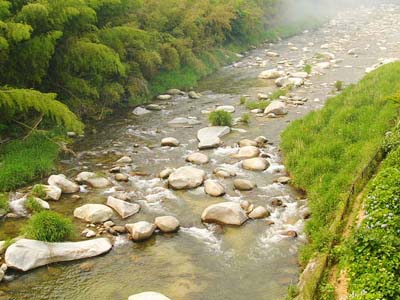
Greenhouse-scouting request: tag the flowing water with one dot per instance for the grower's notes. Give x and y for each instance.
(255, 261)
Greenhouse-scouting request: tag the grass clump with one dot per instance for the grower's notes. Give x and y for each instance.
(278, 93)
(339, 85)
(245, 118)
(242, 100)
(39, 191)
(22, 161)
(258, 104)
(33, 205)
(308, 68)
(49, 226)
(4, 204)
(220, 118)
(328, 149)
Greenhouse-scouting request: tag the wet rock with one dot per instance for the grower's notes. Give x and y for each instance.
(247, 142)
(93, 213)
(184, 121)
(186, 178)
(272, 54)
(164, 174)
(291, 233)
(175, 92)
(154, 107)
(148, 296)
(167, 224)
(259, 213)
(164, 97)
(229, 213)
(271, 74)
(224, 172)
(227, 108)
(170, 142)
(27, 254)
(140, 111)
(53, 192)
(123, 208)
(197, 158)
(247, 152)
(194, 95)
(283, 180)
(210, 137)
(243, 184)
(140, 231)
(214, 188)
(276, 202)
(61, 181)
(261, 140)
(124, 160)
(276, 107)
(121, 177)
(88, 233)
(93, 179)
(255, 164)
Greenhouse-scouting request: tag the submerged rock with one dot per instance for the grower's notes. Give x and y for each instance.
(167, 224)
(229, 213)
(123, 208)
(61, 181)
(148, 296)
(93, 213)
(140, 231)
(184, 121)
(186, 178)
(209, 137)
(27, 254)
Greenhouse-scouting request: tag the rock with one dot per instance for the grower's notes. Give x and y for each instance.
(213, 188)
(229, 213)
(66, 186)
(140, 231)
(296, 81)
(93, 180)
(108, 224)
(245, 205)
(124, 160)
(164, 174)
(261, 141)
(88, 233)
(209, 137)
(71, 134)
(184, 121)
(243, 184)
(322, 66)
(175, 92)
(246, 142)
(282, 81)
(169, 142)
(291, 233)
(259, 213)
(93, 213)
(167, 224)
(276, 202)
(53, 192)
(302, 75)
(272, 54)
(271, 74)
(224, 172)
(140, 111)
(194, 95)
(276, 107)
(121, 177)
(154, 107)
(41, 202)
(123, 208)
(247, 152)
(197, 158)
(186, 178)
(227, 108)
(283, 180)
(164, 97)
(119, 229)
(255, 164)
(148, 296)
(27, 254)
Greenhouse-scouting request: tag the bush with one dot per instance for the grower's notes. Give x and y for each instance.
(39, 191)
(220, 118)
(49, 226)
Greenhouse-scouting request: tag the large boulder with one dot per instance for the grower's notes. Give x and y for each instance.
(93, 180)
(270, 74)
(53, 192)
(123, 208)
(61, 181)
(140, 231)
(214, 188)
(247, 152)
(186, 178)
(148, 296)
(276, 107)
(93, 213)
(29, 254)
(210, 137)
(197, 158)
(229, 213)
(255, 164)
(167, 224)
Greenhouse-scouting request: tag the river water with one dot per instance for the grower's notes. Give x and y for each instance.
(255, 261)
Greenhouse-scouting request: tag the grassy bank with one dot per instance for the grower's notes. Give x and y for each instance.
(329, 154)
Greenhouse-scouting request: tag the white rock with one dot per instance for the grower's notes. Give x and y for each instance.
(255, 164)
(164, 174)
(247, 152)
(154, 107)
(175, 92)
(27, 254)
(140, 111)
(63, 183)
(227, 108)
(276, 107)
(164, 97)
(124, 160)
(272, 54)
(167, 224)
(210, 137)
(247, 142)
(259, 213)
(271, 74)
(243, 184)
(170, 141)
(300, 75)
(322, 66)
(148, 296)
(184, 121)
(197, 158)
(194, 95)
(141, 230)
(93, 180)
(186, 178)
(53, 192)
(229, 213)
(123, 208)
(93, 213)
(214, 188)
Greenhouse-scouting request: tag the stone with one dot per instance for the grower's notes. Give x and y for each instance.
(210, 137)
(53, 192)
(227, 108)
(291, 233)
(27, 254)
(282, 81)
(154, 107)
(247, 142)
(164, 174)
(247, 152)
(124, 160)
(296, 81)
(244, 204)
(123, 208)
(261, 141)
(93, 213)
(61, 181)
(194, 95)
(167, 224)
(243, 184)
(88, 233)
(140, 111)
(186, 178)
(148, 296)
(276, 202)
(228, 213)
(271, 74)
(164, 97)
(140, 231)
(170, 142)
(300, 75)
(119, 229)
(175, 92)
(283, 180)
(255, 164)
(197, 158)
(214, 188)
(259, 213)
(121, 177)
(184, 121)
(224, 172)
(272, 54)
(276, 107)
(93, 179)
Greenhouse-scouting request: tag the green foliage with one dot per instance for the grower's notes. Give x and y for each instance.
(327, 150)
(245, 118)
(242, 100)
(23, 161)
(38, 191)
(292, 292)
(278, 93)
(49, 226)
(392, 139)
(4, 204)
(32, 205)
(258, 104)
(339, 85)
(308, 68)
(220, 118)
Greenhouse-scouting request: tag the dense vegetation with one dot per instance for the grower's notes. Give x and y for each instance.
(328, 149)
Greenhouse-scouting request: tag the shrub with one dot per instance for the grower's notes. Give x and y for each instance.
(260, 104)
(49, 226)
(339, 85)
(308, 69)
(245, 118)
(220, 118)
(39, 191)
(32, 205)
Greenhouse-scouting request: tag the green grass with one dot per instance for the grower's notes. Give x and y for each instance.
(258, 104)
(339, 85)
(308, 68)
(242, 100)
(49, 226)
(39, 191)
(220, 118)
(32, 205)
(278, 93)
(4, 204)
(21, 162)
(245, 118)
(327, 150)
